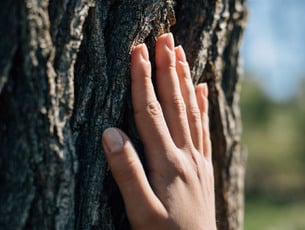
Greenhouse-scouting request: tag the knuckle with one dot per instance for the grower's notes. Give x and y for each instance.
(178, 104)
(151, 109)
(184, 70)
(194, 115)
(172, 67)
(154, 109)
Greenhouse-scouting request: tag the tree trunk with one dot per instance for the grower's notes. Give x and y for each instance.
(64, 78)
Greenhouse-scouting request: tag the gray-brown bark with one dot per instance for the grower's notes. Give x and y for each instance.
(64, 78)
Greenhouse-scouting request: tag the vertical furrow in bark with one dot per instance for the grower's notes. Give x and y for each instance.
(228, 171)
(9, 37)
(37, 148)
(230, 82)
(91, 80)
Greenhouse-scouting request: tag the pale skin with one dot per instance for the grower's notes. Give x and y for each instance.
(178, 190)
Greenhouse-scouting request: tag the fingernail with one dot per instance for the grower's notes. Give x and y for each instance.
(180, 54)
(144, 52)
(170, 41)
(112, 140)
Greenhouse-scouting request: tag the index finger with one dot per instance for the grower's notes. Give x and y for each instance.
(147, 110)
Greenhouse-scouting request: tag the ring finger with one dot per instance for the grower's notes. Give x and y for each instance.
(188, 93)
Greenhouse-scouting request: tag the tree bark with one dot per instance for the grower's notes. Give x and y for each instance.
(64, 78)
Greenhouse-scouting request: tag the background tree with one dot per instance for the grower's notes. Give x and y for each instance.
(64, 78)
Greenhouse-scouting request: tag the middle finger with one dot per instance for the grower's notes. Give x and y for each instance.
(169, 92)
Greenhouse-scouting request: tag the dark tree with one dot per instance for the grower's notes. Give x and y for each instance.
(64, 78)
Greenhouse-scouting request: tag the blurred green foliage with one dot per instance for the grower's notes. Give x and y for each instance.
(274, 136)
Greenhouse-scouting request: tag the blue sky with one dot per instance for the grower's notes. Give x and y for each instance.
(274, 45)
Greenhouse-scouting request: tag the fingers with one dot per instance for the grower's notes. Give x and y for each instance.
(188, 93)
(129, 174)
(169, 93)
(148, 113)
(181, 118)
(203, 104)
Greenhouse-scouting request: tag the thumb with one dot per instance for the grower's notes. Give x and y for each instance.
(129, 174)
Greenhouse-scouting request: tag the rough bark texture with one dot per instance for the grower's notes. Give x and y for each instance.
(64, 78)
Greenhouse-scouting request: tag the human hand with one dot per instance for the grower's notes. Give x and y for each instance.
(178, 190)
